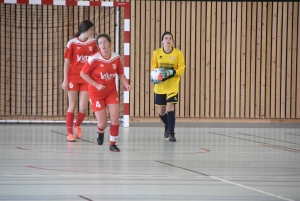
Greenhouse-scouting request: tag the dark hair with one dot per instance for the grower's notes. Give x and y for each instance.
(83, 27)
(166, 33)
(100, 36)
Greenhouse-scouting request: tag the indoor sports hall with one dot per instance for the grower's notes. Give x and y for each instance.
(223, 161)
(237, 119)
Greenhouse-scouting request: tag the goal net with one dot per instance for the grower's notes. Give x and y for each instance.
(33, 42)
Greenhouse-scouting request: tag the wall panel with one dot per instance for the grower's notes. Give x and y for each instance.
(241, 58)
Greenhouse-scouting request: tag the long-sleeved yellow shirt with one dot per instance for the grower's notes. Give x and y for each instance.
(173, 60)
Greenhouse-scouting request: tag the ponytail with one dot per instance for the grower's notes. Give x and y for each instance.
(83, 27)
(77, 34)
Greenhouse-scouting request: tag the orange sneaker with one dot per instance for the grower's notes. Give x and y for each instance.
(78, 132)
(71, 138)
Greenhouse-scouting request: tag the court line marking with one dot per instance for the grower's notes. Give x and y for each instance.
(107, 173)
(230, 182)
(267, 138)
(276, 147)
(110, 153)
(292, 134)
(296, 150)
(76, 139)
(62, 152)
(81, 196)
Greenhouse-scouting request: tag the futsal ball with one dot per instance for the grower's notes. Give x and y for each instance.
(156, 75)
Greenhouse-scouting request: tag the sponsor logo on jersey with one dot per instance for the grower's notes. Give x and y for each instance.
(82, 58)
(107, 76)
(114, 66)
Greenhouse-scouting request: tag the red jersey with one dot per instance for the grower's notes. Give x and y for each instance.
(103, 71)
(77, 52)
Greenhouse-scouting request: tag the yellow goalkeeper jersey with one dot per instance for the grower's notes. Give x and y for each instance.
(173, 60)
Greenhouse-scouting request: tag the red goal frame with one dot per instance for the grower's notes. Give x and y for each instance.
(125, 5)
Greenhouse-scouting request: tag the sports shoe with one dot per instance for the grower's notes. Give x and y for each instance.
(114, 148)
(166, 134)
(100, 138)
(172, 137)
(78, 132)
(71, 138)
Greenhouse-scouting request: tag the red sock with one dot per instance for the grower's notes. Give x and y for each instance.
(101, 130)
(80, 118)
(69, 122)
(114, 133)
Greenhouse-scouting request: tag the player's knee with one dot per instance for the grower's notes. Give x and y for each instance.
(72, 107)
(114, 119)
(102, 124)
(83, 108)
(115, 122)
(162, 110)
(170, 107)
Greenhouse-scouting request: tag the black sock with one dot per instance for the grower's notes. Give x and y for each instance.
(171, 121)
(164, 119)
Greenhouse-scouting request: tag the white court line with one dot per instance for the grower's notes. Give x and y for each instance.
(230, 182)
(254, 189)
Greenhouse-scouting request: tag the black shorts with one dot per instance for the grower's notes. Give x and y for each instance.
(163, 99)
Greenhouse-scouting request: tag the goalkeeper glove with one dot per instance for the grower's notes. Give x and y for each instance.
(155, 81)
(166, 73)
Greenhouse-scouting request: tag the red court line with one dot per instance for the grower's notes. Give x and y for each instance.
(20, 148)
(207, 150)
(274, 146)
(40, 168)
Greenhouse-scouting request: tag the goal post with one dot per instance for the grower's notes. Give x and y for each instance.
(31, 59)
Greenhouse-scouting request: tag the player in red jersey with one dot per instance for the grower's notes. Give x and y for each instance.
(78, 50)
(100, 72)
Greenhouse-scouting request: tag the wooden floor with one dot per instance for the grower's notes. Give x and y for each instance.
(211, 162)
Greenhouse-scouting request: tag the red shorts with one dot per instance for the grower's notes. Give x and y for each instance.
(100, 101)
(73, 86)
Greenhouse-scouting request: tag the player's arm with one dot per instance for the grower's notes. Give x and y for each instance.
(66, 68)
(180, 65)
(85, 74)
(154, 63)
(169, 73)
(88, 79)
(122, 77)
(68, 55)
(124, 81)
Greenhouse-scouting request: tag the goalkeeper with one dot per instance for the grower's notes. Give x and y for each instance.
(171, 64)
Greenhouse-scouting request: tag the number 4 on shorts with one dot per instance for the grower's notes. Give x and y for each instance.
(97, 103)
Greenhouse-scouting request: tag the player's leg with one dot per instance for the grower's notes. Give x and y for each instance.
(172, 99)
(112, 102)
(83, 104)
(99, 108)
(160, 102)
(72, 96)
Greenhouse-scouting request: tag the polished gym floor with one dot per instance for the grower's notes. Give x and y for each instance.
(209, 162)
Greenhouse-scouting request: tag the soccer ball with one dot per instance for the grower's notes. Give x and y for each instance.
(156, 75)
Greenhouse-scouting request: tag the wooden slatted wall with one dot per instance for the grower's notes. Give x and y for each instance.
(241, 58)
(32, 57)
